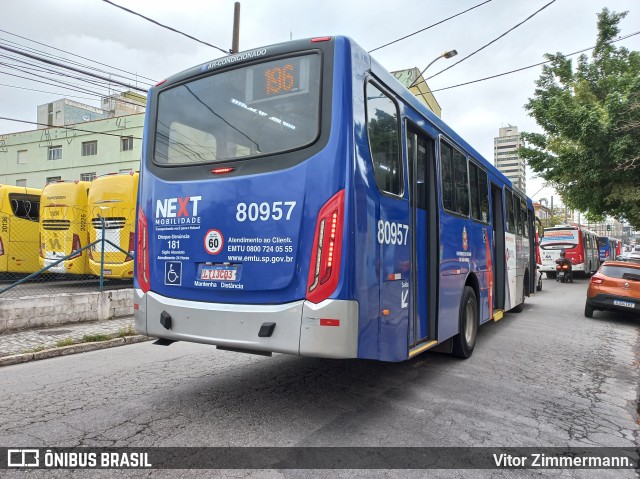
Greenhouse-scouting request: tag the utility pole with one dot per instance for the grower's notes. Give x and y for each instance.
(235, 42)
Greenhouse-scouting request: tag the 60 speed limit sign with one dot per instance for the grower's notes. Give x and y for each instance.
(213, 241)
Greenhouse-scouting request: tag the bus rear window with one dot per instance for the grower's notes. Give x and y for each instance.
(251, 111)
(26, 207)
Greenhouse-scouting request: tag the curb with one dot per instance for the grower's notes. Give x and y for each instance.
(73, 349)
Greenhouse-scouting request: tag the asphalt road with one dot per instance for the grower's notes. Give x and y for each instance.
(545, 377)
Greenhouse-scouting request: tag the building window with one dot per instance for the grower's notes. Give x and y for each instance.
(55, 152)
(89, 148)
(52, 179)
(127, 143)
(87, 176)
(22, 157)
(21, 182)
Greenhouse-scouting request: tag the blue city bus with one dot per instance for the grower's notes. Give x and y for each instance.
(298, 199)
(608, 248)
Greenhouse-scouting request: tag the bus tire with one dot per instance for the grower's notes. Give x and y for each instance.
(465, 341)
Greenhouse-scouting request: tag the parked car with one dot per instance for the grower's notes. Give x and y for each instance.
(629, 257)
(615, 286)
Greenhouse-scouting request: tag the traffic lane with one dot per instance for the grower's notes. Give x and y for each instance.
(546, 377)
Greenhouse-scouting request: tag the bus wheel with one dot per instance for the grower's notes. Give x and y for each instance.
(465, 340)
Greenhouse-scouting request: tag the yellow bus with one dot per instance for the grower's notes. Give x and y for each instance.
(19, 212)
(63, 226)
(112, 201)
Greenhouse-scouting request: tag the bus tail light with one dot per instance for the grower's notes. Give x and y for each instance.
(75, 247)
(1, 248)
(142, 253)
(41, 245)
(324, 268)
(132, 245)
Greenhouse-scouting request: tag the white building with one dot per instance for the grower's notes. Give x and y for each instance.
(506, 158)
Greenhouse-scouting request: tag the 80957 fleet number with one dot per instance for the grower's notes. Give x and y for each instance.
(392, 233)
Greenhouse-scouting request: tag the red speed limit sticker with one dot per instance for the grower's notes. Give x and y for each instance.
(213, 241)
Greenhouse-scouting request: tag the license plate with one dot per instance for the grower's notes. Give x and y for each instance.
(626, 304)
(219, 273)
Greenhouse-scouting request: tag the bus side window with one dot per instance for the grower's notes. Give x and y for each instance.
(461, 181)
(382, 127)
(446, 155)
(509, 202)
(483, 189)
(524, 217)
(479, 192)
(473, 191)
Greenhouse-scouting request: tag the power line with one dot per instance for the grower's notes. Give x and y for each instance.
(29, 68)
(73, 62)
(530, 66)
(69, 128)
(165, 26)
(74, 88)
(68, 86)
(492, 41)
(44, 91)
(74, 54)
(78, 70)
(430, 26)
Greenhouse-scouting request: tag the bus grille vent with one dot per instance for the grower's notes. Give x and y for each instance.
(56, 224)
(110, 223)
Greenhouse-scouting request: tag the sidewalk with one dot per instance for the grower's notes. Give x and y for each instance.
(31, 341)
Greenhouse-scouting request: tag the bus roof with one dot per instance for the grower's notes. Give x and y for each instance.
(6, 189)
(62, 190)
(383, 74)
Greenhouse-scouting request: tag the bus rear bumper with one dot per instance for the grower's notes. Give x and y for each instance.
(112, 270)
(328, 329)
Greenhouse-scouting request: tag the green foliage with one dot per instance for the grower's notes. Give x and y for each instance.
(65, 342)
(127, 330)
(590, 114)
(93, 338)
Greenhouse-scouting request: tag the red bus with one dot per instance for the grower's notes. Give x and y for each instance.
(579, 244)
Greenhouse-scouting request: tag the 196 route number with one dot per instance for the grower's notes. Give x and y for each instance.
(392, 233)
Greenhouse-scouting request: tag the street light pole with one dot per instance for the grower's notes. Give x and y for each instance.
(448, 54)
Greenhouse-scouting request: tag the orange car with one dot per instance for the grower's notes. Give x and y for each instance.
(615, 286)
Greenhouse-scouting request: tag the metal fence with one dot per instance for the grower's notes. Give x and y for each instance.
(56, 255)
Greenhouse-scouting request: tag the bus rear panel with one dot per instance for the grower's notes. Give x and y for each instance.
(112, 215)
(63, 227)
(244, 192)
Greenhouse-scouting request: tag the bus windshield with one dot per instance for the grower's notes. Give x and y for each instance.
(251, 111)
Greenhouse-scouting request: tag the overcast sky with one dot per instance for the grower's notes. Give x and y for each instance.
(97, 30)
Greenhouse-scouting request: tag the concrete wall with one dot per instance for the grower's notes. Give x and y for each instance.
(43, 311)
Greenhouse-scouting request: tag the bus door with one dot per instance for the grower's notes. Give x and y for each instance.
(498, 253)
(424, 249)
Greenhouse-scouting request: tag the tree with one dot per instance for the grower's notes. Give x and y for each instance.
(590, 149)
